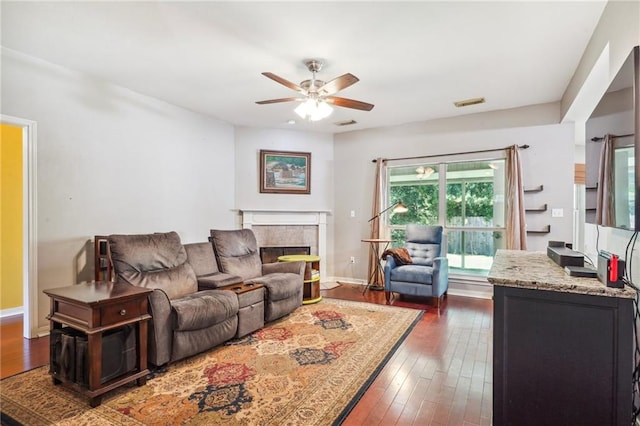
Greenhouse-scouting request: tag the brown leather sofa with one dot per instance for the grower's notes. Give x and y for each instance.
(189, 313)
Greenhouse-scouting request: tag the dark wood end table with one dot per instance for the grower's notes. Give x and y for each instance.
(94, 308)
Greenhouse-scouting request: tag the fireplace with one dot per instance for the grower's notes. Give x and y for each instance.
(270, 254)
(290, 228)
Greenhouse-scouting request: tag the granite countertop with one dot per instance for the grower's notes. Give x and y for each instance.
(534, 270)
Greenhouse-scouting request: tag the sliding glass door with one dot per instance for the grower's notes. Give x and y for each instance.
(466, 197)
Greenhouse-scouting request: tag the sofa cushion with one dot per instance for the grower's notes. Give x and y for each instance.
(203, 309)
(153, 261)
(281, 285)
(201, 258)
(237, 252)
(413, 274)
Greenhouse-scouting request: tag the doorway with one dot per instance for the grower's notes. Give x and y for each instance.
(29, 229)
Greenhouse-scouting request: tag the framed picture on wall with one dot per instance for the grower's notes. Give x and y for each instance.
(285, 172)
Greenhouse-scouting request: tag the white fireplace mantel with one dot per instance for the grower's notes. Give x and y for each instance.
(260, 217)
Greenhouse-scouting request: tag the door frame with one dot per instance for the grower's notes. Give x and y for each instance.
(29, 224)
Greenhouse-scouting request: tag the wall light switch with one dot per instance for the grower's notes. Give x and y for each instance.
(353, 213)
(557, 212)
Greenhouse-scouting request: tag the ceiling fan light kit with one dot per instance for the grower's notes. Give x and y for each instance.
(318, 94)
(313, 110)
(424, 172)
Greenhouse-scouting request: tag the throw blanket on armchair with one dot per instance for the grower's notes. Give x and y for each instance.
(400, 255)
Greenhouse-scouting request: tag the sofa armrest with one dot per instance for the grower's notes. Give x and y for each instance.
(217, 280)
(440, 280)
(388, 266)
(291, 267)
(161, 329)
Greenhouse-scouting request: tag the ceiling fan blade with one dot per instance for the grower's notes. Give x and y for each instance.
(284, 82)
(349, 103)
(275, 101)
(338, 84)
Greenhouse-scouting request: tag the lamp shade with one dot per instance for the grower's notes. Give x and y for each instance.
(398, 207)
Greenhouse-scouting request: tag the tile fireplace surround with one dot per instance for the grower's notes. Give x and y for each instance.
(290, 228)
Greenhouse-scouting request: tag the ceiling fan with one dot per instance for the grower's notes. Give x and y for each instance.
(316, 94)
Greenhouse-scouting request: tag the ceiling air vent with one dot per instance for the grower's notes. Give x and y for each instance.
(345, 123)
(467, 102)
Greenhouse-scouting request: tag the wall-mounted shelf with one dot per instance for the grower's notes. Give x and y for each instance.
(542, 208)
(536, 189)
(544, 230)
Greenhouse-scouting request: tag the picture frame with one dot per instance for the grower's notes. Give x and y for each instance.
(285, 172)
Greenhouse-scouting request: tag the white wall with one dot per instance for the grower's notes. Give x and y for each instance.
(249, 142)
(548, 162)
(614, 37)
(113, 161)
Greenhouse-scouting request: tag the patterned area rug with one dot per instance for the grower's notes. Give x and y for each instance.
(308, 369)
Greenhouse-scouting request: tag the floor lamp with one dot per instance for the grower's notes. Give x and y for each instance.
(397, 207)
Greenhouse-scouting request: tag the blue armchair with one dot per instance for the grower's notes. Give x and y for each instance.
(428, 274)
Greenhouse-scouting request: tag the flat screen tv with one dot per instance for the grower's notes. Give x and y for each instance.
(612, 150)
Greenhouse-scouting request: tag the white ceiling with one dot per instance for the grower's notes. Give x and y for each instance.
(414, 59)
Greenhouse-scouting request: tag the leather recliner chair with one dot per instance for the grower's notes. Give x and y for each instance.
(184, 321)
(428, 274)
(237, 254)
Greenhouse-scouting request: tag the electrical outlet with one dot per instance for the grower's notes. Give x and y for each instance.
(352, 259)
(557, 212)
(353, 213)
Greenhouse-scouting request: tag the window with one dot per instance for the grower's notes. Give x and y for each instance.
(472, 208)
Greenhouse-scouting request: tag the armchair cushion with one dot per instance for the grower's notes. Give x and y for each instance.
(157, 261)
(237, 252)
(413, 273)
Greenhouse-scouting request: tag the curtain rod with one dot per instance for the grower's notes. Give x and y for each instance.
(597, 139)
(452, 153)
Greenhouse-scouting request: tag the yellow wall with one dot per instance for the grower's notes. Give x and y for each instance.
(10, 216)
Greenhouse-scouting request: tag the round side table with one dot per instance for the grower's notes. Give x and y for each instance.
(311, 291)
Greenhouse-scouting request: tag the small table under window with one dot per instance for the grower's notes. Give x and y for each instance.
(377, 268)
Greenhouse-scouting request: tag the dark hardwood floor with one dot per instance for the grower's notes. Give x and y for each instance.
(440, 375)
(18, 354)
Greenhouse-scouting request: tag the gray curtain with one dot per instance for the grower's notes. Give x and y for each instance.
(605, 207)
(375, 223)
(516, 223)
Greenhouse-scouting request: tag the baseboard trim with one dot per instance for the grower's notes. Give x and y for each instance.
(476, 289)
(9, 312)
(348, 280)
